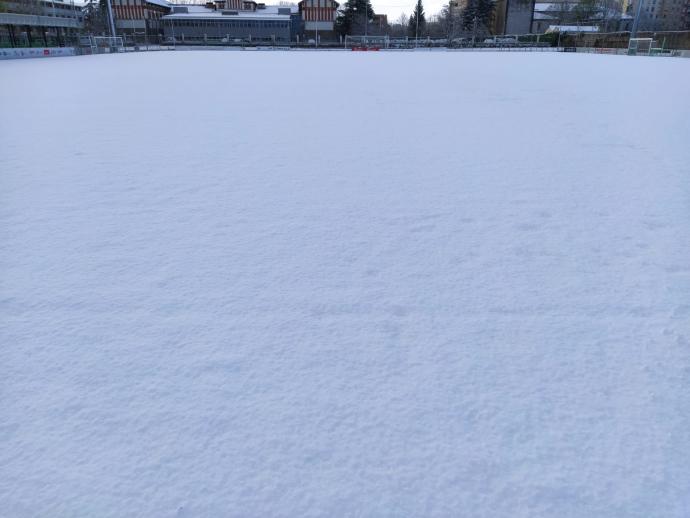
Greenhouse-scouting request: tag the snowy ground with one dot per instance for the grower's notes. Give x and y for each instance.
(345, 284)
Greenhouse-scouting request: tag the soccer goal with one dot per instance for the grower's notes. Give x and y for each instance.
(641, 46)
(366, 42)
(101, 44)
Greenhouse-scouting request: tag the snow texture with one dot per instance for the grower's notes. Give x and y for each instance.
(345, 284)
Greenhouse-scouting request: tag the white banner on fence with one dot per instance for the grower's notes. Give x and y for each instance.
(40, 52)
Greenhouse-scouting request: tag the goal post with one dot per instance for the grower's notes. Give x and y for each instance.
(641, 46)
(363, 42)
(107, 44)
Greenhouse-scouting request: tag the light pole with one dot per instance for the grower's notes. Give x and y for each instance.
(110, 18)
(416, 30)
(366, 24)
(636, 22)
(316, 42)
(474, 31)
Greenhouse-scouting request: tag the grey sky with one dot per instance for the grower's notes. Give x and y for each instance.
(393, 8)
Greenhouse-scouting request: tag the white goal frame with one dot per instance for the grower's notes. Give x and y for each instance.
(111, 43)
(640, 46)
(381, 41)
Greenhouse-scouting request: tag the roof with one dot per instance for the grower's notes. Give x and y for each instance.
(302, 1)
(210, 14)
(572, 28)
(162, 3)
(273, 9)
(270, 12)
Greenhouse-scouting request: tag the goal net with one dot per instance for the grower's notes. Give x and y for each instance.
(103, 44)
(641, 46)
(367, 41)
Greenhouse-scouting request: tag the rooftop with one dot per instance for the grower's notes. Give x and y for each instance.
(270, 12)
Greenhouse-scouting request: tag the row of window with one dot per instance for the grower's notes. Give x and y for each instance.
(258, 24)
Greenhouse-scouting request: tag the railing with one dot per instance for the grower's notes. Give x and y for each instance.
(38, 20)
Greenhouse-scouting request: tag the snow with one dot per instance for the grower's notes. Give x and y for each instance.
(383, 284)
(572, 28)
(162, 3)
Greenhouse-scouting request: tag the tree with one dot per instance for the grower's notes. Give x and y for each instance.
(610, 12)
(354, 17)
(417, 24)
(585, 11)
(96, 17)
(398, 29)
(449, 22)
(562, 12)
(478, 14)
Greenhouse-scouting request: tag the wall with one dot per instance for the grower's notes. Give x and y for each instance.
(674, 40)
(36, 52)
(194, 30)
(519, 16)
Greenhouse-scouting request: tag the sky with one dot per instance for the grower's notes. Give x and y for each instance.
(393, 8)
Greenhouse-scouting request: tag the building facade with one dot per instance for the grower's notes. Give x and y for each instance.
(40, 24)
(139, 16)
(662, 15)
(216, 24)
(573, 13)
(513, 17)
(318, 16)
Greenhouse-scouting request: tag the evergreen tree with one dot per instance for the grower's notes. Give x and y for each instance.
(413, 29)
(480, 12)
(354, 18)
(96, 17)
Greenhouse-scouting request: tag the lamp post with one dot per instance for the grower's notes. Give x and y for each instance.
(110, 18)
(366, 22)
(636, 22)
(416, 29)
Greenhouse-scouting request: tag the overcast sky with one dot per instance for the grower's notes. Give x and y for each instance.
(393, 8)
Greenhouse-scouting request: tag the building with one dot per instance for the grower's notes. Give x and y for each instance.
(40, 23)
(139, 16)
(318, 15)
(513, 17)
(379, 24)
(247, 22)
(662, 15)
(572, 13)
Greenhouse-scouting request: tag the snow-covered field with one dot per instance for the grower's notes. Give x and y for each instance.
(345, 284)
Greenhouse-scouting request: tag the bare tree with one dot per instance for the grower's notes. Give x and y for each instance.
(450, 22)
(562, 12)
(610, 13)
(398, 29)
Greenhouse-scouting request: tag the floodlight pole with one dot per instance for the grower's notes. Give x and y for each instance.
(636, 22)
(316, 44)
(416, 30)
(366, 24)
(110, 18)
